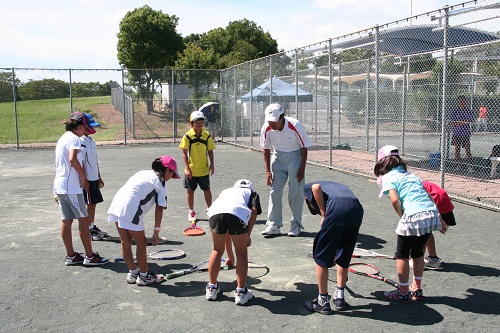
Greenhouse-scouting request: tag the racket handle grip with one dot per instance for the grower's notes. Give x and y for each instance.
(118, 259)
(174, 275)
(391, 282)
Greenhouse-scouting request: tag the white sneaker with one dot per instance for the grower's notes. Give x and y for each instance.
(271, 230)
(150, 278)
(432, 262)
(294, 230)
(211, 293)
(192, 217)
(132, 278)
(242, 298)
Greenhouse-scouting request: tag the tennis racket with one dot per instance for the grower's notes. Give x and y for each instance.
(203, 266)
(166, 254)
(117, 239)
(194, 230)
(199, 267)
(371, 272)
(364, 253)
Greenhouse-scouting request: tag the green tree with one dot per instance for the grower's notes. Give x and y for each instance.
(91, 89)
(6, 94)
(43, 89)
(239, 42)
(199, 70)
(147, 41)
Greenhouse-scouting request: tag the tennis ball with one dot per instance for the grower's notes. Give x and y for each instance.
(56, 198)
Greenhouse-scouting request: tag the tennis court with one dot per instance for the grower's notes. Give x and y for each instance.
(39, 293)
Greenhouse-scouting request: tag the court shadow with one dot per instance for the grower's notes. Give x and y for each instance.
(476, 301)
(471, 270)
(260, 222)
(370, 242)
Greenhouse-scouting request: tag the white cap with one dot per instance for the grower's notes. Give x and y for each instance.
(273, 112)
(244, 183)
(196, 115)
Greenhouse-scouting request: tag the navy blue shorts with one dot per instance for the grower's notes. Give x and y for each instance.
(335, 245)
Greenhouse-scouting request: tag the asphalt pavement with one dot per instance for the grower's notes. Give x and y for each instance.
(40, 294)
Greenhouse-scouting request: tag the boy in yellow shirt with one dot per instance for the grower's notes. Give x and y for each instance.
(197, 150)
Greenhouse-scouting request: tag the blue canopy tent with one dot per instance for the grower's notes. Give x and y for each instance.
(281, 92)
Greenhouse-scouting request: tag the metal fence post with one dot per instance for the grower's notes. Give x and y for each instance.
(377, 82)
(70, 93)
(339, 92)
(174, 105)
(15, 106)
(330, 100)
(297, 85)
(124, 109)
(444, 95)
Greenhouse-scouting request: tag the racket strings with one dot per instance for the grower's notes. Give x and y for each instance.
(363, 268)
(167, 254)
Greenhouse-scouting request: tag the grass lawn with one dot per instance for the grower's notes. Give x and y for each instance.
(43, 120)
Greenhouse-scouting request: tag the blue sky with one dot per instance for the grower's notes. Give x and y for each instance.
(82, 33)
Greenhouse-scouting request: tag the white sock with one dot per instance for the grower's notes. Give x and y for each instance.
(339, 292)
(134, 271)
(91, 225)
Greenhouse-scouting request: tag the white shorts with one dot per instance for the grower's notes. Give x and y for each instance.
(124, 224)
(72, 206)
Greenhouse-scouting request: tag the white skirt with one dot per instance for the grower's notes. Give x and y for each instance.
(419, 224)
(125, 224)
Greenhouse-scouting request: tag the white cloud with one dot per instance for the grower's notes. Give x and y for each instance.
(82, 33)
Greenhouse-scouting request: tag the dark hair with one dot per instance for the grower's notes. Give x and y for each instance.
(387, 164)
(159, 168)
(72, 124)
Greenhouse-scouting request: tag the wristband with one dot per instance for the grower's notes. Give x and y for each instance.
(157, 229)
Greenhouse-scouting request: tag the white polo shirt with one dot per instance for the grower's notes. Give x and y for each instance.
(134, 199)
(292, 137)
(90, 163)
(233, 200)
(67, 180)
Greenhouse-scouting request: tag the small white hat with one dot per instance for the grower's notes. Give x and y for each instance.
(196, 115)
(273, 112)
(244, 183)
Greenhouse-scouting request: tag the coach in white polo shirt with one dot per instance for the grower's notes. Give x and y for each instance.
(289, 141)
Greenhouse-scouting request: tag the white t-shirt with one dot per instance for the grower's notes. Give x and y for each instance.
(89, 152)
(292, 137)
(234, 201)
(141, 192)
(67, 180)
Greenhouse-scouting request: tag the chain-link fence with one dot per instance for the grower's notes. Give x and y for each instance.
(131, 104)
(396, 83)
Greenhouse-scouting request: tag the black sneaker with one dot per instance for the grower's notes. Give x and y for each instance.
(95, 260)
(76, 259)
(97, 234)
(339, 303)
(314, 306)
